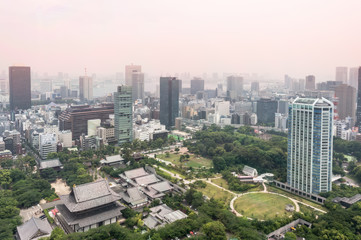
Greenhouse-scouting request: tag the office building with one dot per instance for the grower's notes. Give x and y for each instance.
(358, 109)
(75, 118)
(283, 107)
(169, 100)
(353, 77)
(123, 114)
(93, 124)
(129, 70)
(310, 145)
(85, 88)
(310, 82)
(266, 109)
(47, 144)
(234, 87)
(341, 74)
(137, 86)
(346, 106)
(46, 85)
(19, 87)
(255, 87)
(197, 84)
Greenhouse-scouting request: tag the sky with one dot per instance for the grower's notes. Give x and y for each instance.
(268, 37)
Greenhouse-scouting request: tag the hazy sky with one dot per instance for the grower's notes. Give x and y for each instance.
(267, 37)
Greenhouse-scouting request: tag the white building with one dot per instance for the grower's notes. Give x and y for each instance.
(310, 145)
(254, 119)
(47, 144)
(65, 137)
(92, 126)
(222, 108)
(281, 121)
(85, 88)
(145, 131)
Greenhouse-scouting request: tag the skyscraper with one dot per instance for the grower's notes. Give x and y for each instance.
(353, 77)
(169, 100)
(266, 109)
(341, 74)
(19, 87)
(346, 106)
(310, 145)
(137, 86)
(310, 82)
(234, 86)
(129, 69)
(85, 88)
(123, 114)
(197, 84)
(358, 109)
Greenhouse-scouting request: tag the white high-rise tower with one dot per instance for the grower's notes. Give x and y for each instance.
(310, 145)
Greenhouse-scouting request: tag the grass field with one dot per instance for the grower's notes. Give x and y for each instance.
(195, 162)
(262, 205)
(349, 158)
(221, 182)
(216, 193)
(296, 197)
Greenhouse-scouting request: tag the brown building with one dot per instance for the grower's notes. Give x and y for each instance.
(19, 87)
(75, 118)
(346, 101)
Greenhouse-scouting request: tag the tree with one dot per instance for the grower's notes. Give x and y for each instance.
(214, 230)
(49, 173)
(219, 164)
(290, 236)
(5, 178)
(57, 234)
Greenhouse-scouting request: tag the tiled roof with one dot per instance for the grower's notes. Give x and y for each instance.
(91, 217)
(134, 196)
(89, 195)
(30, 228)
(146, 180)
(135, 173)
(50, 163)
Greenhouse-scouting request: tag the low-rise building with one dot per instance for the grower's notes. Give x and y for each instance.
(33, 229)
(89, 206)
(161, 215)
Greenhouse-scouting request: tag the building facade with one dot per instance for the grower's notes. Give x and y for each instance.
(358, 110)
(129, 69)
(266, 109)
(137, 86)
(310, 82)
(234, 86)
(85, 88)
(341, 74)
(19, 87)
(75, 118)
(197, 84)
(123, 114)
(346, 106)
(169, 100)
(310, 145)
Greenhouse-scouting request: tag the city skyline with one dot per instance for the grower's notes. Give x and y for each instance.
(263, 37)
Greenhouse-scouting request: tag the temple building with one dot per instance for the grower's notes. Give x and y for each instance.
(88, 206)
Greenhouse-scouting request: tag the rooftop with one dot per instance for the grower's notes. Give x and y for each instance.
(135, 173)
(146, 180)
(89, 195)
(30, 229)
(52, 163)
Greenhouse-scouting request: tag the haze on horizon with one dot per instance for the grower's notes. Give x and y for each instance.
(267, 37)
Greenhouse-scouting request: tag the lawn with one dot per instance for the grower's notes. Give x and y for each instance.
(296, 197)
(350, 158)
(262, 205)
(193, 161)
(216, 193)
(221, 182)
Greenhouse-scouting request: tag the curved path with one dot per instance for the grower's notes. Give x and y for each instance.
(295, 202)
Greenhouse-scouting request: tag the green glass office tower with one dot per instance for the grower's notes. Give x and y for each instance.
(123, 114)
